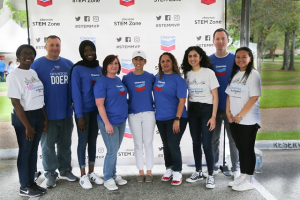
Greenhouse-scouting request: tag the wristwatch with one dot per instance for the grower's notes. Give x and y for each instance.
(240, 116)
(176, 118)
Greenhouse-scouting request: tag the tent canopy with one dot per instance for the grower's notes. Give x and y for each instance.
(11, 37)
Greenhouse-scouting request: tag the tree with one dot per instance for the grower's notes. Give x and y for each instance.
(18, 15)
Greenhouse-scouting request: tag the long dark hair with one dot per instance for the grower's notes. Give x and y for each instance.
(205, 61)
(174, 63)
(236, 68)
(107, 60)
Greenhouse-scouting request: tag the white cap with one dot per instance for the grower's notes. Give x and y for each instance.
(140, 54)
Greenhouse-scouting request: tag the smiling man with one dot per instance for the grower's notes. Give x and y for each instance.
(222, 62)
(54, 72)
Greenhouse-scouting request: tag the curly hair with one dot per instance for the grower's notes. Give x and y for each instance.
(205, 61)
(175, 67)
(107, 60)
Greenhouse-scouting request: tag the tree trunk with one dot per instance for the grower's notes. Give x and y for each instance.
(286, 50)
(260, 50)
(293, 41)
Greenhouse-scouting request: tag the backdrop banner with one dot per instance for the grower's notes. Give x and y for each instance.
(121, 27)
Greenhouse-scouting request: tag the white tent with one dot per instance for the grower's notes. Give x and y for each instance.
(11, 37)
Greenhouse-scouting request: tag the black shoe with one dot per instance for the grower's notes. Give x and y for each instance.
(37, 187)
(29, 191)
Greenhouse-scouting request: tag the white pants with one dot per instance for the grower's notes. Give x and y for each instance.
(142, 129)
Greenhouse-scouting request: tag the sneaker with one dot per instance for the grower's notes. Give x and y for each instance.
(236, 181)
(36, 186)
(140, 178)
(68, 175)
(236, 174)
(149, 179)
(95, 178)
(196, 176)
(120, 181)
(51, 179)
(29, 191)
(177, 178)
(110, 184)
(205, 174)
(243, 186)
(168, 175)
(85, 183)
(210, 182)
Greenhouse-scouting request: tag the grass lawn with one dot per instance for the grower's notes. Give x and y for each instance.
(3, 87)
(5, 109)
(280, 98)
(280, 135)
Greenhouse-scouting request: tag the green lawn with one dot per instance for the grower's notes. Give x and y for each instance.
(5, 109)
(3, 87)
(280, 135)
(280, 98)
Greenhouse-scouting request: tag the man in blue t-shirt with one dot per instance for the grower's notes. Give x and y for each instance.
(222, 62)
(2, 69)
(54, 72)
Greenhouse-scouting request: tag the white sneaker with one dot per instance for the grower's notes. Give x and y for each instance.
(110, 184)
(243, 186)
(210, 182)
(120, 181)
(177, 178)
(205, 174)
(168, 175)
(236, 174)
(85, 182)
(95, 178)
(236, 181)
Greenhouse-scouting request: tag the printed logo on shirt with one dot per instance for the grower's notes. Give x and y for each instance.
(235, 90)
(208, 2)
(159, 86)
(122, 90)
(30, 84)
(57, 67)
(167, 43)
(139, 86)
(126, 2)
(239, 81)
(44, 3)
(221, 70)
(95, 78)
(58, 77)
(127, 133)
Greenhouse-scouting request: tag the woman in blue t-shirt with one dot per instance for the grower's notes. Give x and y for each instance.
(171, 116)
(202, 108)
(111, 100)
(84, 75)
(141, 116)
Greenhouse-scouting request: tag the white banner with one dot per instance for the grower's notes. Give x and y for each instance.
(120, 27)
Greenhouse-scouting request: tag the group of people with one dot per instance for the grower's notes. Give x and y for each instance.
(5, 70)
(44, 92)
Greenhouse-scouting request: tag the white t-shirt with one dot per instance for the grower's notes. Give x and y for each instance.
(200, 84)
(240, 92)
(26, 86)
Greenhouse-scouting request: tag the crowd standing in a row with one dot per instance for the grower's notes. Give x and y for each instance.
(222, 87)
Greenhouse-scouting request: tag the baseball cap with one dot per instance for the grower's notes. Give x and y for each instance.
(139, 53)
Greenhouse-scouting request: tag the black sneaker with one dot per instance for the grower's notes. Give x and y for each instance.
(196, 176)
(37, 187)
(29, 191)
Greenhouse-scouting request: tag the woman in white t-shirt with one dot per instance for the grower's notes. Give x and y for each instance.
(242, 110)
(29, 119)
(202, 109)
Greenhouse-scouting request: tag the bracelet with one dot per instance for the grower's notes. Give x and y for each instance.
(240, 116)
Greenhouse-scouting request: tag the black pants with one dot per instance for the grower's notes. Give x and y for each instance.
(244, 138)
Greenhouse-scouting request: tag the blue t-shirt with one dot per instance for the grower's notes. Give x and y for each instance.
(83, 80)
(115, 103)
(140, 92)
(167, 92)
(2, 66)
(223, 68)
(57, 89)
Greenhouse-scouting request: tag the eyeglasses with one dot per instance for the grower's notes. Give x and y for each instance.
(31, 54)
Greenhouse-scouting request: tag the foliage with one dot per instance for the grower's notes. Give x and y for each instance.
(5, 109)
(278, 135)
(277, 98)
(18, 15)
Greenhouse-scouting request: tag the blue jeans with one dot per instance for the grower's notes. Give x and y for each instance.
(88, 137)
(199, 114)
(112, 143)
(2, 76)
(27, 157)
(59, 132)
(171, 143)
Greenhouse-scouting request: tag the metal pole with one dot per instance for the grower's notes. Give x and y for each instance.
(226, 14)
(247, 23)
(242, 32)
(27, 23)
